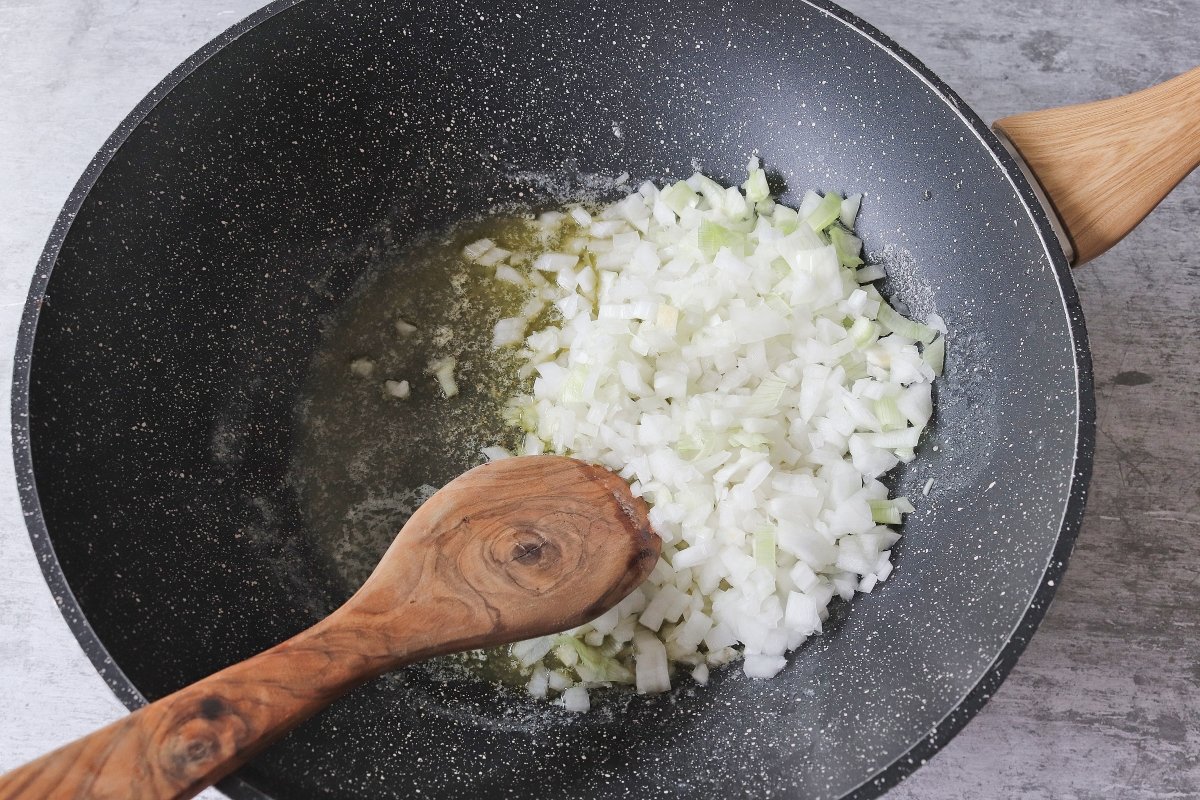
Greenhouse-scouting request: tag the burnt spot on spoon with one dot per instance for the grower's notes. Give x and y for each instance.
(213, 707)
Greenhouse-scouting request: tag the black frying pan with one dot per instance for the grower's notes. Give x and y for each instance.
(174, 318)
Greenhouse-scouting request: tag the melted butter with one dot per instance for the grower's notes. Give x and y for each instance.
(364, 461)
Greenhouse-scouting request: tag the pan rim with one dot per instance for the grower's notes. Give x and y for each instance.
(873, 786)
(64, 597)
(973, 701)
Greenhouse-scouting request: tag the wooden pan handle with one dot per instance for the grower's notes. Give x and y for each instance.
(1105, 165)
(178, 745)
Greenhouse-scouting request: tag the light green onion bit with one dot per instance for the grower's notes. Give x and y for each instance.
(863, 332)
(826, 212)
(764, 547)
(713, 192)
(890, 512)
(756, 186)
(888, 414)
(891, 319)
(847, 246)
(678, 196)
(711, 237)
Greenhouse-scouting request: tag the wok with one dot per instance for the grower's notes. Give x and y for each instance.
(172, 331)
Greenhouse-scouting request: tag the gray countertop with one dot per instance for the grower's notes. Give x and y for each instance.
(1104, 703)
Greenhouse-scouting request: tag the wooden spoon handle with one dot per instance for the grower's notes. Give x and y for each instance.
(180, 744)
(1105, 165)
(519, 548)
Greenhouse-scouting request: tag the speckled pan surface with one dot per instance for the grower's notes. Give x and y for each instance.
(180, 301)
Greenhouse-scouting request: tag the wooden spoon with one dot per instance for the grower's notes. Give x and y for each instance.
(510, 550)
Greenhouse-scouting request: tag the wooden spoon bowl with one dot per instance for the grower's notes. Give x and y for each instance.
(507, 551)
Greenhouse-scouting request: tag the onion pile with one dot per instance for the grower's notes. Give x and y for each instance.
(729, 357)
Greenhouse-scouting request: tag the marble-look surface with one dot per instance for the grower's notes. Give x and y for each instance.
(1104, 701)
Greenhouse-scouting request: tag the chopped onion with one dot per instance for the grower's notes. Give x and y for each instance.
(889, 512)
(398, 389)
(727, 356)
(531, 651)
(555, 262)
(826, 212)
(476, 250)
(891, 319)
(576, 699)
(539, 682)
(764, 547)
(510, 330)
(763, 666)
(493, 257)
(442, 369)
(650, 656)
(756, 184)
(506, 273)
(869, 273)
(495, 453)
(849, 210)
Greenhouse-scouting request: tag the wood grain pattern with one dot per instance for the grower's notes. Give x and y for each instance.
(1105, 165)
(510, 550)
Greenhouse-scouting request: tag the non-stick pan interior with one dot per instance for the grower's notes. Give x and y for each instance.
(190, 293)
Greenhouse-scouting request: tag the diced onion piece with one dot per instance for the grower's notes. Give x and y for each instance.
(891, 319)
(711, 237)
(826, 212)
(442, 369)
(888, 512)
(510, 330)
(531, 651)
(506, 273)
(863, 332)
(713, 192)
(725, 356)
(763, 666)
(560, 681)
(495, 453)
(764, 547)
(650, 657)
(888, 414)
(849, 210)
(678, 196)
(493, 257)
(756, 186)
(555, 262)
(869, 273)
(398, 389)
(539, 682)
(847, 245)
(475, 250)
(576, 699)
